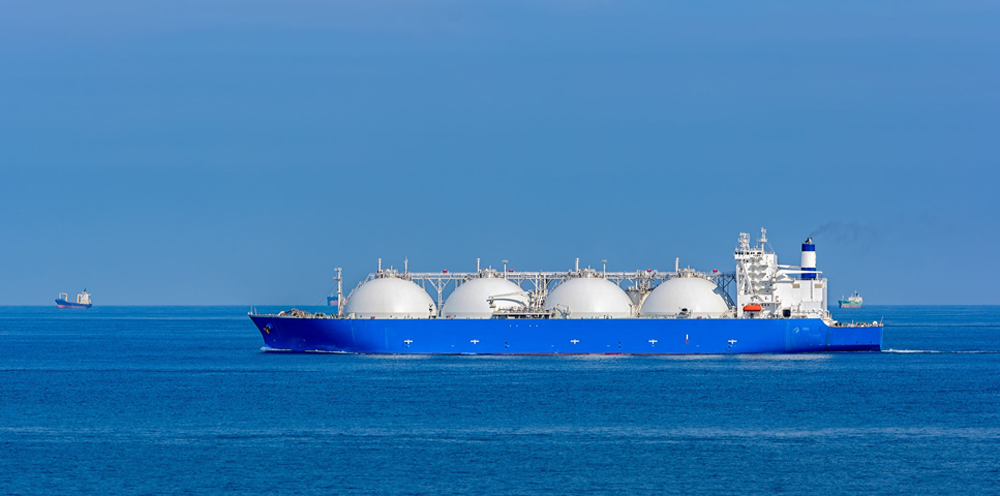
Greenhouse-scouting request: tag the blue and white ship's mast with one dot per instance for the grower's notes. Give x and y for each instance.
(808, 259)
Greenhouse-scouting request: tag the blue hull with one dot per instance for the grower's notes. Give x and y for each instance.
(60, 303)
(563, 336)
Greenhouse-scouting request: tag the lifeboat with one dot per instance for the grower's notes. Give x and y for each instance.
(752, 308)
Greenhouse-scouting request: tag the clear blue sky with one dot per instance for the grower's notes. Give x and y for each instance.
(235, 152)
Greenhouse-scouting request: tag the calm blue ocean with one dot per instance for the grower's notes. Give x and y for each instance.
(152, 400)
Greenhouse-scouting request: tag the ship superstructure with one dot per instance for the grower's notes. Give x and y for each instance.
(766, 289)
(778, 308)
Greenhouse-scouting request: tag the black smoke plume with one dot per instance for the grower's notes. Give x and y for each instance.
(846, 232)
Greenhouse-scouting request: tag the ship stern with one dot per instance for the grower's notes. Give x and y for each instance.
(854, 338)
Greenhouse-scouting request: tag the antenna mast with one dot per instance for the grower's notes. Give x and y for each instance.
(340, 293)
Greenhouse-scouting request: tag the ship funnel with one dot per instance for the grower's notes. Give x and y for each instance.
(808, 259)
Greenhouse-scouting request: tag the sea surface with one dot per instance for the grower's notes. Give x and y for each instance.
(153, 400)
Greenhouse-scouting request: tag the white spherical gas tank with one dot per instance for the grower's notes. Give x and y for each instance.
(471, 299)
(589, 298)
(390, 298)
(700, 297)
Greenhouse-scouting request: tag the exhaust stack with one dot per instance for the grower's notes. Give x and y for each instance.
(808, 259)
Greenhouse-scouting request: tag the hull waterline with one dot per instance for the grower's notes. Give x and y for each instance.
(563, 336)
(69, 304)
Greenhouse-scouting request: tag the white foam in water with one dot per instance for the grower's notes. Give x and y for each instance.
(706, 356)
(786, 356)
(594, 356)
(968, 352)
(400, 356)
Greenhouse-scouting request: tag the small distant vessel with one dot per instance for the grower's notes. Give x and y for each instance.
(332, 301)
(82, 301)
(853, 301)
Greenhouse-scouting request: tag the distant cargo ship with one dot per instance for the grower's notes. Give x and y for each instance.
(332, 301)
(853, 301)
(82, 301)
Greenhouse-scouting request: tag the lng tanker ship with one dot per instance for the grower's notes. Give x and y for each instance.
(778, 309)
